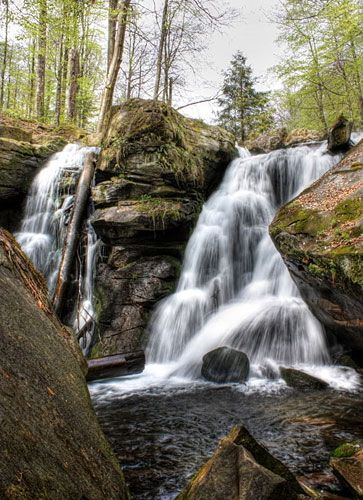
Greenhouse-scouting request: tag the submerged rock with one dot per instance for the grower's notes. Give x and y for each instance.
(339, 135)
(50, 439)
(242, 469)
(225, 364)
(319, 236)
(347, 465)
(154, 172)
(301, 380)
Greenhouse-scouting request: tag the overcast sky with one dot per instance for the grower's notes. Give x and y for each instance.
(255, 36)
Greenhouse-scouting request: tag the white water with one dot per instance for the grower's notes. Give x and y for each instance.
(43, 230)
(234, 289)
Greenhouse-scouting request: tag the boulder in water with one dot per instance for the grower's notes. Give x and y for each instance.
(241, 469)
(339, 135)
(301, 380)
(225, 364)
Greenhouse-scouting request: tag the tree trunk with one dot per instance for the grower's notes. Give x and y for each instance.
(42, 47)
(159, 61)
(112, 20)
(58, 95)
(5, 55)
(107, 95)
(31, 80)
(116, 365)
(73, 233)
(73, 74)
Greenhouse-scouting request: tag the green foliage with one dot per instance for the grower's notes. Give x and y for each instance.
(346, 450)
(243, 110)
(322, 71)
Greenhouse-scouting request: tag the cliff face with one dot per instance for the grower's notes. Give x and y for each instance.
(155, 170)
(319, 235)
(23, 149)
(51, 443)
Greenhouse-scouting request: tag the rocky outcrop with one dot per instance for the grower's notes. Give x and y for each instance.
(22, 152)
(224, 365)
(242, 469)
(155, 169)
(51, 443)
(347, 465)
(301, 380)
(319, 235)
(339, 135)
(281, 138)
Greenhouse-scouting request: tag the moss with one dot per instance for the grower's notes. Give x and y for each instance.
(348, 210)
(346, 450)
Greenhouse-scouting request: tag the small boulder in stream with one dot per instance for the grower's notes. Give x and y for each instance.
(240, 469)
(301, 380)
(224, 364)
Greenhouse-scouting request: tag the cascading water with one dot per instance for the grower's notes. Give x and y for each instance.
(234, 288)
(43, 230)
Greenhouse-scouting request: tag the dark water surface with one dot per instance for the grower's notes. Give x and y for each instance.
(162, 437)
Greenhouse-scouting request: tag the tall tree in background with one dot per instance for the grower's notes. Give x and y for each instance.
(322, 71)
(5, 51)
(114, 66)
(243, 110)
(41, 57)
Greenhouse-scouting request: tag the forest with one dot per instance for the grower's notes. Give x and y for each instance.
(181, 249)
(68, 61)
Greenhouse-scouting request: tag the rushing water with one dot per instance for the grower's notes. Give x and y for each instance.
(44, 226)
(234, 288)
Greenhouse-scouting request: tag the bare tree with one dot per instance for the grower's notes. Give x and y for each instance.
(5, 54)
(41, 58)
(114, 68)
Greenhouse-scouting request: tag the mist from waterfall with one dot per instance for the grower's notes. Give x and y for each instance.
(44, 227)
(234, 288)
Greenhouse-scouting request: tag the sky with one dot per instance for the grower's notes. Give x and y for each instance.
(254, 35)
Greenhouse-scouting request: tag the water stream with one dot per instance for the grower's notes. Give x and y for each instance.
(43, 230)
(233, 290)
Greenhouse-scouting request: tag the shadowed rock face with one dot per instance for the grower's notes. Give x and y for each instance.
(51, 443)
(155, 170)
(319, 237)
(20, 158)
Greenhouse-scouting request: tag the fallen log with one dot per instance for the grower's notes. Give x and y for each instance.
(116, 365)
(73, 233)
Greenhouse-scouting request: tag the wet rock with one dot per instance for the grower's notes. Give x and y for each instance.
(225, 364)
(301, 380)
(339, 135)
(347, 465)
(320, 239)
(154, 172)
(51, 442)
(242, 469)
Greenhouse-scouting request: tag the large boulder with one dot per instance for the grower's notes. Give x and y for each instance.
(242, 469)
(155, 169)
(51, 443)
(339, 135)
(224, 364)
(319, 236)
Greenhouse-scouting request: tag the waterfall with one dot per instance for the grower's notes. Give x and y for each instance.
(234, 288)
(43, 230)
